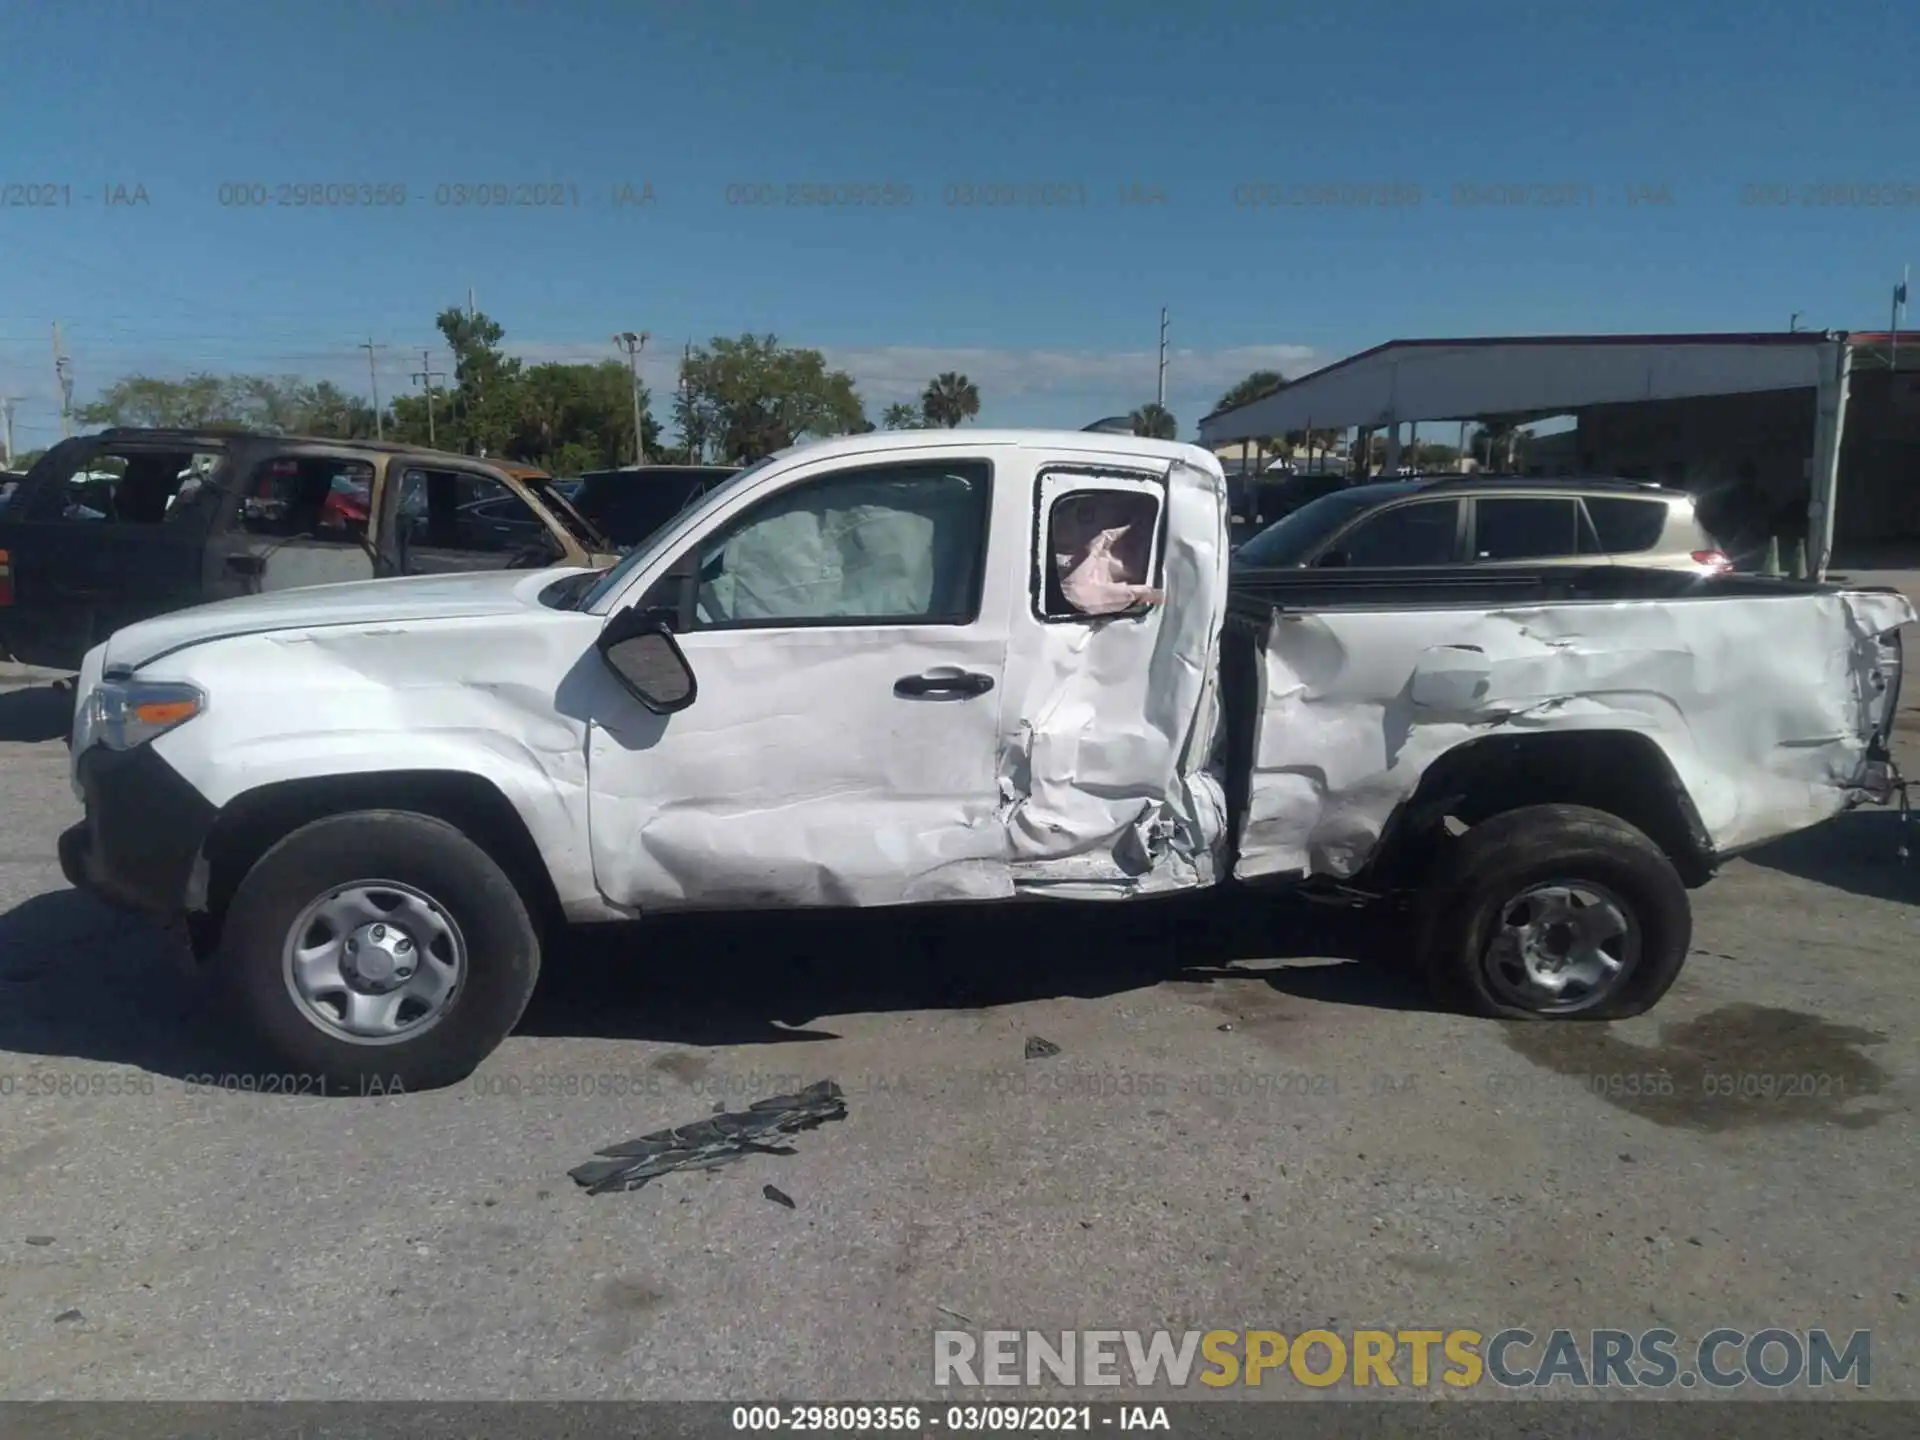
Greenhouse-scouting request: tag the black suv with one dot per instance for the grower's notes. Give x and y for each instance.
(629, 505)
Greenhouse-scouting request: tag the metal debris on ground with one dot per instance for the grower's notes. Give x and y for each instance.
(777, 1195)
(715, 1141)
(1038, 1049)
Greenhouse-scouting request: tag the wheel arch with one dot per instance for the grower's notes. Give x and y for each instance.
(253, 821)
(1624, 773)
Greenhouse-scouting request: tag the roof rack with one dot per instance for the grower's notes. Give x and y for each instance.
(1540, 482)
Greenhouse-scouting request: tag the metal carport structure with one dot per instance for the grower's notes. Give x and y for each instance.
(1529, 378)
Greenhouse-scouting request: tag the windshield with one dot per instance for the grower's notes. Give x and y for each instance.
(1290, 541)
(642, 550)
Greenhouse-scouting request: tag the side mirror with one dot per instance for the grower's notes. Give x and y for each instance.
(1333, 560)
(646, 659)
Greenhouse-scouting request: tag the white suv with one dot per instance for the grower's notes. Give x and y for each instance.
(1490, 520)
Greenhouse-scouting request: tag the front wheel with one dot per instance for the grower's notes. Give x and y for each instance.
(379, 950)
(1555, 912)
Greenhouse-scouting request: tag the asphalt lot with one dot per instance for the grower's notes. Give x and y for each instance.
(1226, 1139)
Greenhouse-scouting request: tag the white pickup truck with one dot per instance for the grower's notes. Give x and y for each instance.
(951, 666)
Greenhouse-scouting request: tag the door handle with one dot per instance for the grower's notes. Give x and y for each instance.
(961, 686)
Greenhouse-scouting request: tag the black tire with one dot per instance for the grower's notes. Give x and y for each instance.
(1488, 870)
(426, 854)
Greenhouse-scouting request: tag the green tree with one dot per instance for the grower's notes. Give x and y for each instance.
(573, 418)
(199, 399)
(331, 412)
(752, 396)
(901, 417)
(285, 404)
(949, 399)
(1257, 386)
(1154, 421)
(1492, 442)
(692, 417)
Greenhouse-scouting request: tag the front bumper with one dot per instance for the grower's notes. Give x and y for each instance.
(145, 826)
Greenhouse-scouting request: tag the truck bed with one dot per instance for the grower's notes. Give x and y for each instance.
(1739, 708)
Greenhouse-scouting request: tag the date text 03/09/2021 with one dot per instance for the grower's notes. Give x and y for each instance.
(960, 1419)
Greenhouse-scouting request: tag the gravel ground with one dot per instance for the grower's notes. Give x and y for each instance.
(1240, 1130)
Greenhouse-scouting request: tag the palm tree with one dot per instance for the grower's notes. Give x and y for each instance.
(1257, 386)
(1494, 438)
(949, 399)
(1155, 421)
(901, 417)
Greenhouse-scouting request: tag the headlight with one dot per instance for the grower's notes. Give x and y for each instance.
(127, 713)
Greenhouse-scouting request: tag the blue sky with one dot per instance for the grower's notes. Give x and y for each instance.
(1157, 129)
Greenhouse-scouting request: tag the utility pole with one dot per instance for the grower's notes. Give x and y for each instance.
(426, 375)
(694, 456)
(373, 383)
(6, 428)
(1899, 304)
(633, 344)
(63, 374)
(1160, 393)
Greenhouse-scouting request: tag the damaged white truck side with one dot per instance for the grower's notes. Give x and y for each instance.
(865, 672)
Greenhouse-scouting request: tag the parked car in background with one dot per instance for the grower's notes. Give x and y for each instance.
(629, 505)
(113, 528)
(1490, 520)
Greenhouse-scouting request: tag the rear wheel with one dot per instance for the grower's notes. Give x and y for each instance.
(379, 949)
(1555, 912)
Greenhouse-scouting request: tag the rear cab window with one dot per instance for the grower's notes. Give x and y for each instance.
(1099, 550)
(1626, 526)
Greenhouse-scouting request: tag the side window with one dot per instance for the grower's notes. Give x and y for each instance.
(1099, 552)
(457, 520)
(1525, 528)
(1626, 526)
(308, 497)
(1420, 534)
(130, 487)
(899, 543)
